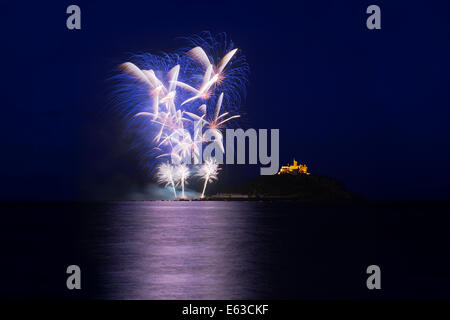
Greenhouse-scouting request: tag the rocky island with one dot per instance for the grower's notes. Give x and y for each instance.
(291, 183)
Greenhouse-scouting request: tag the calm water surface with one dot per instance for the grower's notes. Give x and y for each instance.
(252, 250)
(182, 250)
(224, 250)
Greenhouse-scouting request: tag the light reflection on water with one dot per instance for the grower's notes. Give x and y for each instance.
(225, 250)
(179, 250)
(264, 250)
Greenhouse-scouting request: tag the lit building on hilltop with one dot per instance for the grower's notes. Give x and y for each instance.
(294, 169)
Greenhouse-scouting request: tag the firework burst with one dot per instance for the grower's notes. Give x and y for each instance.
(168, 99)
(182, 173)
(166, 175)
(208, 172)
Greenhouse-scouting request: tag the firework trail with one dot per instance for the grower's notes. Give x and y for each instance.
(166, 175)
(168, 99)
(208, 172)
(229, 69)
(181, 175)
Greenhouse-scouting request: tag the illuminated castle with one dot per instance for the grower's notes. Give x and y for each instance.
(294, 169)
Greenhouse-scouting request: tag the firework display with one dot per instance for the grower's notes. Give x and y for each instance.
(181, 175)
(208, 172)
(169, 100)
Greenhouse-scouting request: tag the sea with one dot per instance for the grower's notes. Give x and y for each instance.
(225, 250)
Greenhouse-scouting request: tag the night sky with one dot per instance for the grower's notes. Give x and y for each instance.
(370, 108)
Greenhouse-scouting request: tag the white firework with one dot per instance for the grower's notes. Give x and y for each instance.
(166, 176)
(181, 175)
(208, 172)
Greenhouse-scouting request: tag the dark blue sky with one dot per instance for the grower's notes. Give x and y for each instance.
(370, 108)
